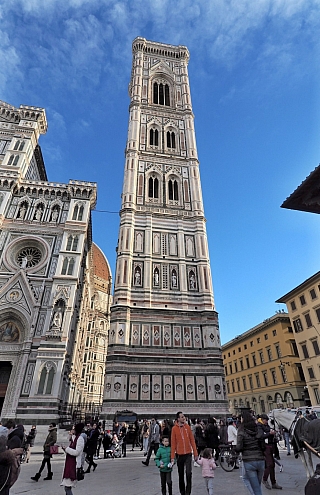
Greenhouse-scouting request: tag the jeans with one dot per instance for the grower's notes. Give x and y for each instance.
(68, 490)
(166, 480)
(209, 484)
(184, 461)
(253, 475)
(287, 441)
(145, 444)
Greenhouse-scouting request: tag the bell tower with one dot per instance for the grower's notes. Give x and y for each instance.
(164, 348)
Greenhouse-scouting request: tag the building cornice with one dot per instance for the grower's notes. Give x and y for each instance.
(309, 281)
(279, 317)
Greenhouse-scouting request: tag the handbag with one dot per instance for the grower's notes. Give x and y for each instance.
(54, 449)
(80, 474)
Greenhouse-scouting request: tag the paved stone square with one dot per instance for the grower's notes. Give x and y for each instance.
(127, 476)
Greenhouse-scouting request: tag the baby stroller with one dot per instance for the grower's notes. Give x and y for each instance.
(115, 449)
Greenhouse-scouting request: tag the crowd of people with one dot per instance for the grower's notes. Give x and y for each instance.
(184, 442)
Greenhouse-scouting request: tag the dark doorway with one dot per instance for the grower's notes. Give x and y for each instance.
(5, 371)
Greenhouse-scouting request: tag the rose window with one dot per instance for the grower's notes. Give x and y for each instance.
(28, 257)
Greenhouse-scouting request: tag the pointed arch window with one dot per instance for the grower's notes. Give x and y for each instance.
(67, 266)
(72, 243)
(173, 190)
(46, 380)
(13, 160)
(161, 94)
(154, 137)
(155, 93)
(19, 145)
(153, 190)
(171, 140)
(78, 212)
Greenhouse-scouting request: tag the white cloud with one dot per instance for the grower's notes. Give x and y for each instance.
(76, 42)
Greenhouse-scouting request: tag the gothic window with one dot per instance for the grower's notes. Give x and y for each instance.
(46, 379)
(140, 185)
(153, 190)
(13, 160)
(78, 212)
(171, 139)
(67, 266)
(173, 189)
(19, 145)
(154, 137)
(72, 243)
(161, 94)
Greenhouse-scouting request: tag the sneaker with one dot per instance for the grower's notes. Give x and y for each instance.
(196, 464)
(281, 468)
(275, 486)
(145, 463)
(288, 453)
(266, 484)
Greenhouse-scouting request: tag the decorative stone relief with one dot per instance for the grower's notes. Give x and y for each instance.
(187, 337)
(179, 395)
(156, 387)
(145, 387)
(190, 391)
(28, 378)
(145, 335)
(156, 335)
(201, 387)
(177, 336)
(197, 337)
(168, 395)
(40, 325)
(135, 335)
(166, 336)
(53, 267)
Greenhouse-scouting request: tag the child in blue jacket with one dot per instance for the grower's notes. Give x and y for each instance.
(163, 461)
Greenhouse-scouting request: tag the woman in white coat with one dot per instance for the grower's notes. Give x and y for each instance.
(73, 459)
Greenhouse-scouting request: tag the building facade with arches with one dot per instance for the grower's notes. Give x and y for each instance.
(47, 280)
(263, 369)
(164, 350)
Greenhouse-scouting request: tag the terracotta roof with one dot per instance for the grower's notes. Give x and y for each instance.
(100, 263)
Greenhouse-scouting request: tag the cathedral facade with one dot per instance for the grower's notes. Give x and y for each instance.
(55, 284)
(164, 350)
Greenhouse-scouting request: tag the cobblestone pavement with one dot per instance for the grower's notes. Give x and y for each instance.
(127, 476)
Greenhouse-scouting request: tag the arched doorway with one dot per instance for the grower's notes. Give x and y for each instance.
(5, 372)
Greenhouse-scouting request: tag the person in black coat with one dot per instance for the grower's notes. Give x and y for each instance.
(123, 437)
(211, 435)
(91, 446)
(313, 485)
(16, 437)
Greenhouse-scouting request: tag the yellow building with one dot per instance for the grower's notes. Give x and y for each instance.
(262, 367)
(303, 303)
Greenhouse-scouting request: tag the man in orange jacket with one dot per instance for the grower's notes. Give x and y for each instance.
(183, 444)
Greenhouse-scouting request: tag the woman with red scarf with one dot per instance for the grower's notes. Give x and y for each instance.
(73, 459)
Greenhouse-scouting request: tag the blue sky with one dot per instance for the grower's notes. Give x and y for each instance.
(254, 75)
